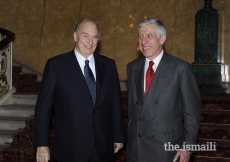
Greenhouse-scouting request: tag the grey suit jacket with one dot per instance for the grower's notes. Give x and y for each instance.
(170, 112)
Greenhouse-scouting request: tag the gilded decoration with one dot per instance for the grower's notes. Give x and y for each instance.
(3, 68)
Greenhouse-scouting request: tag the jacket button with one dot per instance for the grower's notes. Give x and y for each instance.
(93, 112)
(139, 135)
(153, 136)
(137, 102)
(140, 119)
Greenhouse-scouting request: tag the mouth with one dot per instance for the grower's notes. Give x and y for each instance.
(88, 47)
(146, 47)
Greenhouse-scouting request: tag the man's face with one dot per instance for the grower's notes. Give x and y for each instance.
(87, 38)
(149, 42)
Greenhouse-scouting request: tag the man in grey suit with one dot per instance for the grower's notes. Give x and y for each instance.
(164, 106)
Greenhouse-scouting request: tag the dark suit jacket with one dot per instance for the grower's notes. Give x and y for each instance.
(170, 112)
(78, 123)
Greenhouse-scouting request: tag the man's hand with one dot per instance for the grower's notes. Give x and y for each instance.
(183, 154)
(43, 154)
(117, 147)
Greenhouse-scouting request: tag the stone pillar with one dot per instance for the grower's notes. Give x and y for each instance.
(206, 67)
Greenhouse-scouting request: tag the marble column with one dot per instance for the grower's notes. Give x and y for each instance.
(206, 67)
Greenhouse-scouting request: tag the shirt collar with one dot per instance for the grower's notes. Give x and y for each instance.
(82, 59)
(155, 60)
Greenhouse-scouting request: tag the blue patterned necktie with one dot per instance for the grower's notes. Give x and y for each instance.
(90, 80)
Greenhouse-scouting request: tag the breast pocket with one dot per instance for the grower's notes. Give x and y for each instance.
(108, 83)
(108, 78)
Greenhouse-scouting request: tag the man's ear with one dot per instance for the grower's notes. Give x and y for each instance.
(162, 39)
(75, 36)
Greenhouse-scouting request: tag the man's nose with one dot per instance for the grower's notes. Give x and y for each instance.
(90, 40)
(144, 40)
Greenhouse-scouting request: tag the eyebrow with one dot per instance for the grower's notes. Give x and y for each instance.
(88, 34)
(85, 33)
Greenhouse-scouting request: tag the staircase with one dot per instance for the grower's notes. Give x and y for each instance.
(215, 128)
(14, 116)
(12, 120)
(17, 123)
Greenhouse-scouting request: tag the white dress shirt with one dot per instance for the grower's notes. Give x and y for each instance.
(81, 61)
(156, 63)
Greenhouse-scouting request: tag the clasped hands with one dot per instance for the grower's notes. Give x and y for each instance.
(43, 153)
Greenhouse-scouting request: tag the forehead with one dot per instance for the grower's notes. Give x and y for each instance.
(88, 27)
(150, 28)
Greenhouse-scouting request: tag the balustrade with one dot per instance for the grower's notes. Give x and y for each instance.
(6, 44)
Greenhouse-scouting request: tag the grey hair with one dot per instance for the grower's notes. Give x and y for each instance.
(88, 19)
(160, 26)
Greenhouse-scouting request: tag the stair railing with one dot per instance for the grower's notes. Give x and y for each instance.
(6, 44)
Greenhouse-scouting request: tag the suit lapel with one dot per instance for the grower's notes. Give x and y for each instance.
(157, 83)
(75, 69)
(139, 79)
(79, 77)
(100, 73)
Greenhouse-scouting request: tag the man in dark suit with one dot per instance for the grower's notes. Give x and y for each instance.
(83, 87)
(164, 106)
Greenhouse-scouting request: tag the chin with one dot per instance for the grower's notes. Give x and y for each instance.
(147, 55)
(88, 52)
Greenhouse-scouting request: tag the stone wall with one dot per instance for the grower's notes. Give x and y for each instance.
(44, 28)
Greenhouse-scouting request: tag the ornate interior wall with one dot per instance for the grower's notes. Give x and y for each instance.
(44, 28)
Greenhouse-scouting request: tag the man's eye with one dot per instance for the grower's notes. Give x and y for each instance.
(150, 36)
(95, 37)
(140, 36)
